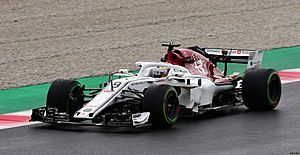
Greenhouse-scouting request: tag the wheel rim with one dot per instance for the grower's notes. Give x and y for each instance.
(75, 93)
(75, 99)
(274, 88)
(171, 108)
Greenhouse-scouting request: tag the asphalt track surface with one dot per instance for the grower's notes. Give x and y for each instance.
(42, 40)
(235, 131)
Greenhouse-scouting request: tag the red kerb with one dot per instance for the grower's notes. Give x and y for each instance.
(289, 75)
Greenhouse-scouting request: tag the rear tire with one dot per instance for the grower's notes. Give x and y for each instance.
(162, 103)
(261, 89)
(66, 96)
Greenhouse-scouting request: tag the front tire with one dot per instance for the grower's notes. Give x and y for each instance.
(66, 96)
(261, 89)
(163, 104)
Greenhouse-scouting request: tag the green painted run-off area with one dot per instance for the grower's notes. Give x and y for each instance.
(26, 98)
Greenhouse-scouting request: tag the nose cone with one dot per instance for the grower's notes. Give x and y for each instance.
(98, 102)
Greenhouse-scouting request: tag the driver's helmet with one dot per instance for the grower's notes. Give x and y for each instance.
(159, 72)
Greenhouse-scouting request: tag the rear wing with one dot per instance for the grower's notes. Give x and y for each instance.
(253, 58)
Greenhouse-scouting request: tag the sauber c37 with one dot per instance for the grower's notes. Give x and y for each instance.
(186, 82)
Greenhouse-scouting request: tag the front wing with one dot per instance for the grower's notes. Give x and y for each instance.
(50, 115)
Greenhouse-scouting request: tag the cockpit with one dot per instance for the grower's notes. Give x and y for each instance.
(159, 72)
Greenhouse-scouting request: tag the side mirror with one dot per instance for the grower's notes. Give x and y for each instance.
(123, 71)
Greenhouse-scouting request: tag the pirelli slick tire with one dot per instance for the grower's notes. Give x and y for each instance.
(162, 103)
(261, 89)
(66, 96)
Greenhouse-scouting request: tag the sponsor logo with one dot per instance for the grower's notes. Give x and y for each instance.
(213, 50)
(199, 63)
(138, 83)
(87, 110)
(91, 106)
(245, 52)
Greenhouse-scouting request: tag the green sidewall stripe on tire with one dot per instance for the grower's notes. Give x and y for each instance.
(256, 89)
(268, 88)
(156, 101)
(167, 118)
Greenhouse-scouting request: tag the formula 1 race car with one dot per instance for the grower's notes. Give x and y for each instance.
(186, 82)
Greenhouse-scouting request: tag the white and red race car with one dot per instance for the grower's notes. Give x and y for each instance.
(185, 82)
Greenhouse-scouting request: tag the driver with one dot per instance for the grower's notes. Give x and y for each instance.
(159, 72)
